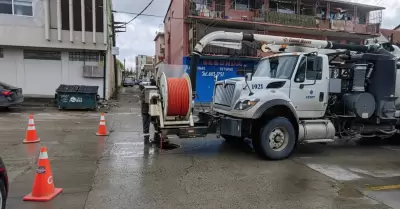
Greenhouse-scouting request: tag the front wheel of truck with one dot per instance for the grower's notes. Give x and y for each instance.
(276, 139)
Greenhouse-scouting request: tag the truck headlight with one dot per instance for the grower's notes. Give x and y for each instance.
(245, 104)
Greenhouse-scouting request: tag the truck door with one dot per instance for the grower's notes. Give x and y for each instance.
(309, 87)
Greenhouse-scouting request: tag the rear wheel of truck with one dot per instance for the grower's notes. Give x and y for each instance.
(276, 139)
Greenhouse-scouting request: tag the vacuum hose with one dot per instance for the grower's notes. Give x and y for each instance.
(178, 97)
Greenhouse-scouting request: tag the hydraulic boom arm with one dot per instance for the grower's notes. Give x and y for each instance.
(267, 39)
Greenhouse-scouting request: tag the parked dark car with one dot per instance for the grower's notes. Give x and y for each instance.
(3, 185)
(128, 82)
(10, 95)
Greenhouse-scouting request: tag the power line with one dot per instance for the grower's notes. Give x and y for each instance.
(135, 13)
(147, 15)
(140, 13)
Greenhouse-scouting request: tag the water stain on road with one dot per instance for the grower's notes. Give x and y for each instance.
(349, 192)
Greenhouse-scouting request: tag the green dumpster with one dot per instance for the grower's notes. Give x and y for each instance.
(77, 97)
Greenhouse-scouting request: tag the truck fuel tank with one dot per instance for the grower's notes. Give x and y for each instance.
(313, 130)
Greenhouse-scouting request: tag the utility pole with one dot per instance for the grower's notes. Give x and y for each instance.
(115, 26)
(114, 57)
(124, 75)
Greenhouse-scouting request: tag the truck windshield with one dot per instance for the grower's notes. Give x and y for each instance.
(277, 67)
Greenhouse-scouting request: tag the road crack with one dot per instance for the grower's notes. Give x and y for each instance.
(185, 173)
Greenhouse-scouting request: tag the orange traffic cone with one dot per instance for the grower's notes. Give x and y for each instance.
(43, 186)
(102, 130)
(31, 136)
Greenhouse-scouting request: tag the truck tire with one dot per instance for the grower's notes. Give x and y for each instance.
(3, 195)
(230, 139)
(276, 139)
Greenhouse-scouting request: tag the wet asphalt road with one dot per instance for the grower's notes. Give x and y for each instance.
(120, 172)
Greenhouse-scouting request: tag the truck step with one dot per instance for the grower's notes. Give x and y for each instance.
(317, 141)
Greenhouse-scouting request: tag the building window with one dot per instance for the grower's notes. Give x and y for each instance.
(1, 53)
(42, 55)
(85, 56)
(242, 4)
(16, 7)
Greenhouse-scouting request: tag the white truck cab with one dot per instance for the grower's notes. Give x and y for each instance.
(301, 79)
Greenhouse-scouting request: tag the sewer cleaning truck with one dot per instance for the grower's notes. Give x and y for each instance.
(292, 98)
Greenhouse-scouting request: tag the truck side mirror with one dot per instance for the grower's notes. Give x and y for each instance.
(248, 76)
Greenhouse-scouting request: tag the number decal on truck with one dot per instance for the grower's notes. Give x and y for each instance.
(257, 86)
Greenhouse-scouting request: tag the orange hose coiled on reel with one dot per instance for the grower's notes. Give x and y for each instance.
(178, 97)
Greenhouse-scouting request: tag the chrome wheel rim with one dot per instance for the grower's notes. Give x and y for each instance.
(278, 139)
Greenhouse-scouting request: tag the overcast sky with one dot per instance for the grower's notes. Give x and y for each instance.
(141, 32)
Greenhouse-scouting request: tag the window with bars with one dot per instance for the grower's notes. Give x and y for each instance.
(85, 56)
(16, 7)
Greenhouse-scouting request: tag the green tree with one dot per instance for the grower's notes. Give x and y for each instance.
(120, 65)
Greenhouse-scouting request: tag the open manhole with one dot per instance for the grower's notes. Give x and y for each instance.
(169, 146)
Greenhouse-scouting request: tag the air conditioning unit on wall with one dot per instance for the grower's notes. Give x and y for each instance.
(91, 71)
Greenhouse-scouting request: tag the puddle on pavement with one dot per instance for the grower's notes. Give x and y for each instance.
(349, 193)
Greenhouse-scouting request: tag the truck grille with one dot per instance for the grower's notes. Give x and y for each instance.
(224, 95)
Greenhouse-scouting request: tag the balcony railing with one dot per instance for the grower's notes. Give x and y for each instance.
(290, 19)
(217, 11)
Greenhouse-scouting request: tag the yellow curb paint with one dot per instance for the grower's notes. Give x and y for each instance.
(387, 187)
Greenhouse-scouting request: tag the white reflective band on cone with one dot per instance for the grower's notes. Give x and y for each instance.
(102, 123)
(43, 155)
(30, 128)
(102, 118)
(31, 121)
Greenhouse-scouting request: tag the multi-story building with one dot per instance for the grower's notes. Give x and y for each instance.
(45, 43)
(142, 60)
(159, 43)
(392, 36)
(187, 21)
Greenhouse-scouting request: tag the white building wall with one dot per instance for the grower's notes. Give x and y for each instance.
(110, 85)
(40, 78)
(74, 75)
(14, 30)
